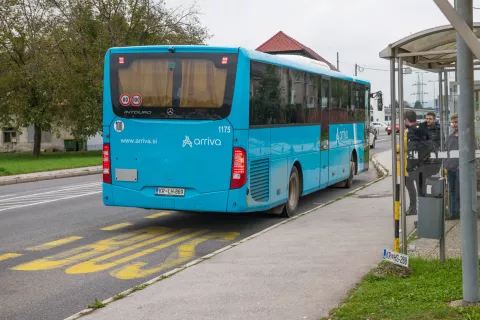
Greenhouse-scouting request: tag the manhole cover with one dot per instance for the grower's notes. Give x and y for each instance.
(374, 195)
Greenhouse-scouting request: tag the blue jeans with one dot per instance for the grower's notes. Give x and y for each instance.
(453, 190)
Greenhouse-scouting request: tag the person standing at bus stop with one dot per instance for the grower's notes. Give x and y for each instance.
(451, 164)
(432, 131)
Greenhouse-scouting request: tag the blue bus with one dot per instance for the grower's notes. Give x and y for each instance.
(221, 129)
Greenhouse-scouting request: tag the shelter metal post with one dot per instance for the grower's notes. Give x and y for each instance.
(441, 104)
(396, 187)
(401, 174)
(467, 170)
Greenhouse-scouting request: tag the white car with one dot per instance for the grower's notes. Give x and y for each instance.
(379, 125)
(371, 140)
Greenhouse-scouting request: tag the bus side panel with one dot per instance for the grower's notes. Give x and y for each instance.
(239, 115)
(302, 144)
(360, 147)
(259, 168)
(341, 142)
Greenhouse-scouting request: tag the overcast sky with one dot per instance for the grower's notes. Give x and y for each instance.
(357, 29)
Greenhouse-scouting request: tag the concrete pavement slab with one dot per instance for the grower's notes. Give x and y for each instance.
(298, 270)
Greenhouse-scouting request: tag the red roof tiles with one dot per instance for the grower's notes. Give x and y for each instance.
(281, 43)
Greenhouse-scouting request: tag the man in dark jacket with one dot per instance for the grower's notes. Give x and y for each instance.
(432, 130)
(419, 146)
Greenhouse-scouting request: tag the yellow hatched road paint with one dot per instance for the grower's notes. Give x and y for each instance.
(93, 266)
(117, 226)
(157, 215)
(10, 255)
(184, 253)
(53, 244)
(129, 239)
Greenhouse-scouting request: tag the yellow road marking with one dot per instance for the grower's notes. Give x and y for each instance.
(91, 250)
(92, 266)
(157, 215)
(53, 244)
(117, 226)
(7, 256)
(184, 253)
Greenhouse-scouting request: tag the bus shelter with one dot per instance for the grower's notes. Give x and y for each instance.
(432, 50)
(451, 48)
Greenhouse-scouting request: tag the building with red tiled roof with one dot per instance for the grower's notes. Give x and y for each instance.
(283, 44)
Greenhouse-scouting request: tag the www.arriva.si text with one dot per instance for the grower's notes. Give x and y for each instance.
(139, 141)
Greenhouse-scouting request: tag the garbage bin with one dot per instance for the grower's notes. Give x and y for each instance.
(431, 209)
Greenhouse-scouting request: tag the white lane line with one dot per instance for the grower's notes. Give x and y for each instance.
(74, 187)
(48, 197)
(47, 201)
(9, 195)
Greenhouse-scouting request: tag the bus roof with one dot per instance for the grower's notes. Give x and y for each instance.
(306, 64)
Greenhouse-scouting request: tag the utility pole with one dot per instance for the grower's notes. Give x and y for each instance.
(468, 175)
(338, 62)
(356, 69)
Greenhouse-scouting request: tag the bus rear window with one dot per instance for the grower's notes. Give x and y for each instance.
(173, 85)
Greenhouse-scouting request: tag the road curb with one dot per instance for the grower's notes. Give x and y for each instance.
(45, 175)
(170, 273)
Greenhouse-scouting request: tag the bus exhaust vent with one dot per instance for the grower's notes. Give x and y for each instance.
(260, 180)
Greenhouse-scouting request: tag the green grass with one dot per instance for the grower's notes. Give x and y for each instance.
(96, 305)
(421, 292)
(18, 163)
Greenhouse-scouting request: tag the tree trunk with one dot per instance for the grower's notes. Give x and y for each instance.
(37, 141)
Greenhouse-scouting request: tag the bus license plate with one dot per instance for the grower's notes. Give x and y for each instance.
(170, 192)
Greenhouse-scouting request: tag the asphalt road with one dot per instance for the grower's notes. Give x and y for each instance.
(60, 248)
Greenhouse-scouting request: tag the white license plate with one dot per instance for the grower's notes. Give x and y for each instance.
(395, 257)
(178, 192)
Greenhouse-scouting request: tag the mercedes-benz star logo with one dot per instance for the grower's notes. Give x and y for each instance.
(170, 111)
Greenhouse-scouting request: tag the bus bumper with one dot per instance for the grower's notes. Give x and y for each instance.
(123, 197)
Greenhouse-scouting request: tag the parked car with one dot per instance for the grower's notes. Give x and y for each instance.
(389, 129)
(374, 130)
(379, 126)
(372, 138)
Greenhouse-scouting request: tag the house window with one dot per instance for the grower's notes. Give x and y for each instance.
(9, 135)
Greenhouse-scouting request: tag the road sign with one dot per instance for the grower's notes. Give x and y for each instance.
(395, 257)
(136, 100)
(124, 99)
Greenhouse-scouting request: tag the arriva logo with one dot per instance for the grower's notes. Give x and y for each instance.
(201, 142)
(341, 135)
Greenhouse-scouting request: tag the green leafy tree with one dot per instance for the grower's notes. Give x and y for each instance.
(88, 28)
(27, 78)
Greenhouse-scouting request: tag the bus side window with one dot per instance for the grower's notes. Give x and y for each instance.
(325, 111)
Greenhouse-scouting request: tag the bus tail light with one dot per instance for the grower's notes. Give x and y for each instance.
(107, 175)
(239, 168)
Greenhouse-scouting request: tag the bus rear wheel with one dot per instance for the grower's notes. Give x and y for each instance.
(291, 206)
(347, 183)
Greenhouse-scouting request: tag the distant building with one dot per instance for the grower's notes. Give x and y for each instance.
(281, 43)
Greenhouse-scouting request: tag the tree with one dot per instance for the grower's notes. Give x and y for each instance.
(52, 53)
(27, 76)
(87, 29)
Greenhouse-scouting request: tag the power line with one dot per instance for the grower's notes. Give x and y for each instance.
(363, 67)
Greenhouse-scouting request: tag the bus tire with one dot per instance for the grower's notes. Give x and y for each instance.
(349, 180)
(294, 184)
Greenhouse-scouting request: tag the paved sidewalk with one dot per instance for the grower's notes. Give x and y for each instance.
(300, 269)
(47, 175)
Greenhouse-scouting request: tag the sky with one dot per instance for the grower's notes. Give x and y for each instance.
(357, 29)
